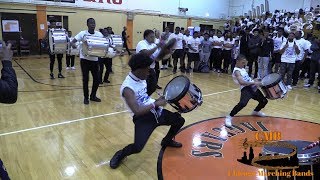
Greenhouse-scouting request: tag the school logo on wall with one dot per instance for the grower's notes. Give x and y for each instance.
(252, 148)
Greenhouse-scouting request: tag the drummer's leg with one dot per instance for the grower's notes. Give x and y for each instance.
(182, 63)
(246, 94)
(59, 58)
(175, 120)
(72, 61)
(52, 59)
(258, 96)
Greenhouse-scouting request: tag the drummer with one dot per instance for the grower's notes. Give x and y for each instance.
(147, 113)
(249, 90)
(148, 46)
(52, 55)
(89, 63)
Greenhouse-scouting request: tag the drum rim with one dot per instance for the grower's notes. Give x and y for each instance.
(184, 91)
(272, 84)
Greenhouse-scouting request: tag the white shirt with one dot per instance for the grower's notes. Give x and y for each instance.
(194, 43)
(139, 87)
(243, 73)
(289, 55)
(278, 42)
(179, 38)
(145, 45)
(303, 45)
(228, 41)
(216, 39)
(80, 37)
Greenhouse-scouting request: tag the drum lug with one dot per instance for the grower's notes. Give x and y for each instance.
(196, 88)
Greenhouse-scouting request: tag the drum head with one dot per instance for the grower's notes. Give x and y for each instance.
(176, 88)
(271, 80)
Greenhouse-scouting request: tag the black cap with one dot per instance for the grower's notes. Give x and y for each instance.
(139, 61)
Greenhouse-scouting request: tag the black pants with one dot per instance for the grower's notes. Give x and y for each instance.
(226, 54)
(144, 126)
(152, 82)
(86, 67)
(53, 58)
(296, 71)
(3, 172)
(253, 59)
(157, 70)
(178, 54)
(125, 45)
(215, 58)
(107, 62)
(314, 68)
(70, 60)
(193, 57)
(248, 93)
(166, 62)
(305, 67)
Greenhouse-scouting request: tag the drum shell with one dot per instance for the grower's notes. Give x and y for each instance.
(275, 90)
(189, 99)
(117, 42)
(58, 41)
(95, 46)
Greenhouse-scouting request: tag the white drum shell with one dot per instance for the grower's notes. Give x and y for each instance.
(95, 46)
(58, 41)
(117, 42)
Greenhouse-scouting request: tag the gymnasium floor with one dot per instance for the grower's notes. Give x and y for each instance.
(50, 134)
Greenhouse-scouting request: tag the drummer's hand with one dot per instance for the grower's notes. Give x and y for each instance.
(257, 83)
(7, 53)
(160, 101)
(74, 46)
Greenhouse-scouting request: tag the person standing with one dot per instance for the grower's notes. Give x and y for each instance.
(89, 63)
(52, 55)
(125, 40)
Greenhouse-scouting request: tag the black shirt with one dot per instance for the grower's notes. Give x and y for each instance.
(266, 48)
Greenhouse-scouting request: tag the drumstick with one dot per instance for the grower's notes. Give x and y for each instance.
(312, 145)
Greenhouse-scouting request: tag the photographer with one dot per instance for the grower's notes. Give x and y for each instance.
(8, 88)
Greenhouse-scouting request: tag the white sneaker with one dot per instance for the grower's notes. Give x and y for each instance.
(318, 87)
(307, 85)
(228, 121)
(260, 114)
(289, 87)
(73, 68)
(67, 68)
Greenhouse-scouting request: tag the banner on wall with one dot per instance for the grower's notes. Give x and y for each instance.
(10, 26)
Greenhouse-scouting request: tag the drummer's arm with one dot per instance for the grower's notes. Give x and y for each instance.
(73, 43)
(137, 109)
(151, 51)
(243, 82)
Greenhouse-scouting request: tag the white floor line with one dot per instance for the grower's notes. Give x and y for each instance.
(87, 118)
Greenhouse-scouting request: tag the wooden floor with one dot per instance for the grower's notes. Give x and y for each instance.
(50, 134)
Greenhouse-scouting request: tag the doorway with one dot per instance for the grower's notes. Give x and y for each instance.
(168, 24)
(27, 30)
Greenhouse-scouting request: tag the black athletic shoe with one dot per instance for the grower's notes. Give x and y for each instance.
(171, 143)
(116, 160)
(95, 99)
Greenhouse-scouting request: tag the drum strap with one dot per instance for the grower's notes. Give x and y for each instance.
(155, 113)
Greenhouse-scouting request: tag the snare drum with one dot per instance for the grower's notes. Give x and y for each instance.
(182, 95)
(95, 46)
(117, 42)
(58, 41)
(309, 160)
(273, 86)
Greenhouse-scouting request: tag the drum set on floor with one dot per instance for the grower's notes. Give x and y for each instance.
(59, 43)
